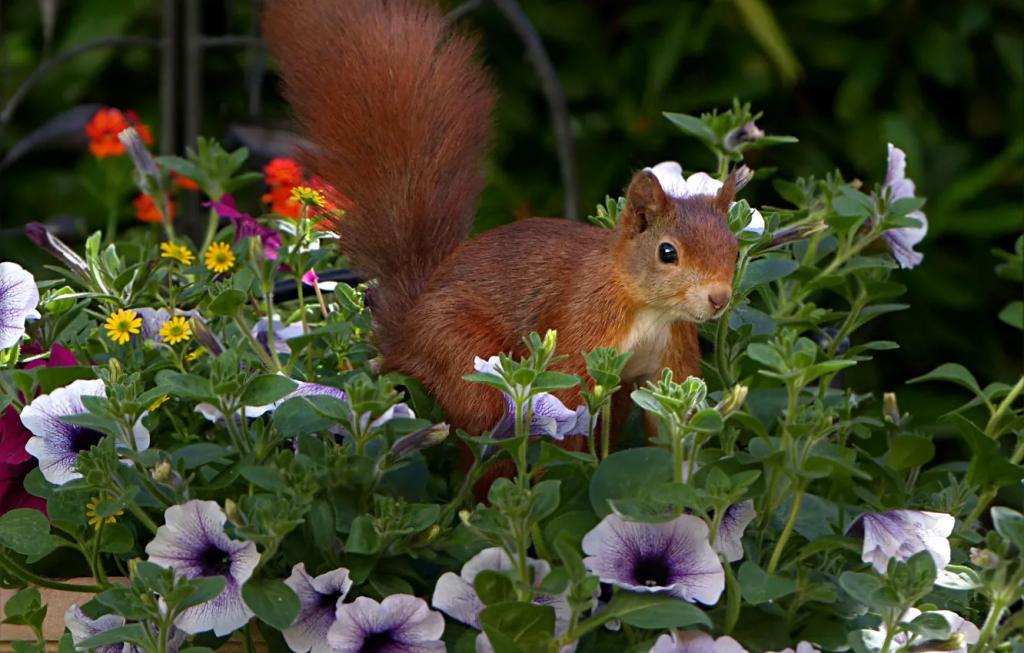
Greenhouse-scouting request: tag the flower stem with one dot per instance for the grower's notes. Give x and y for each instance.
(1004, 405)
(732, 598)
(211, 230)
(991, 621)
(606, 429)
(773, 563)
(142, 517)
(12, 568)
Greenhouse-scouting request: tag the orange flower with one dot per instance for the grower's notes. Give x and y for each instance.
(147, 211)
(104, 127)
(183, 182)
(283, 172)
(280, 200)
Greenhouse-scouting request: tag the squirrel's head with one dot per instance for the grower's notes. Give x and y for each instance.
(679, 255)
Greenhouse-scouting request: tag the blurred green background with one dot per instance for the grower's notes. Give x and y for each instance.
(943, 80)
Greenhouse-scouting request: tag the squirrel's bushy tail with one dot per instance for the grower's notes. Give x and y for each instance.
(400, 112)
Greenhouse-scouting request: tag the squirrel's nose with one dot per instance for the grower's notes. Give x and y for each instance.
(719, 298)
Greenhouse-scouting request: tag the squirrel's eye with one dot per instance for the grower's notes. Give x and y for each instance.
(667, 253)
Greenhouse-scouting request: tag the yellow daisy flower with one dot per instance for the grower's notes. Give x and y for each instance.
(175, 330)
(309, 196)
(219, 257)
(159, 401)
(177, 252)
(96, 520)
(121, 324)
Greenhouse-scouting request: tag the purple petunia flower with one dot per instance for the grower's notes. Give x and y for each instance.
(192, 541)
(82, 627)
(728, 539)
(57, 443)
(399, 624)
(247, 226)
(695, 641)
(154, 318)
(961, 631)
(673, 557)
(674, 184)
(901, 241)
(319, 598)
(455, 595)
(282, 334)
(902, 533)
(19, 297)
(801, 647)
(550, 416)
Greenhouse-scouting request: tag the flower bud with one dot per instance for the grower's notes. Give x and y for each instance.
(733, 400)
(797, 233)
(204, 336)
(163, 472)
(115, 369)
(43, 239)
(419, 440)
(231, 510)
(143, 160)
(53, 302)
(742, 135)
(890, 409)
(984, 558)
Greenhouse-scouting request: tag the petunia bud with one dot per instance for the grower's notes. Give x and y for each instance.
(163, 471)
(797, 233)
(231, 510)
(984, 558)
(143, 160)
(41, 236)
(890, 410)
(733, 400)
(204, 336)
(115, 369)
(742, 135)
(419, 440)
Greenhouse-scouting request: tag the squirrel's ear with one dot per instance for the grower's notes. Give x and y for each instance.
(727, 193)
(645, 202)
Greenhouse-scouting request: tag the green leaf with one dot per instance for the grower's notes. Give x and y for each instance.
(263, 476)
(1010, 524)
(266, 389)
(766, 270)
(758, 587)
(296, 416)
(760, 21)
(909, 451)
(133, 633)
(185, 386)
(203, 590)
(866, 589)
(953, 373)
(363, 537)
(494, 587)
(654, 611)
(26, 531)
(693, 126)
(227, 302)
(930, 626)
(549, 381)
(766, 355)
(272, 601)
(1013, 314)
(706, 420)
(515, 627)
(629, 474)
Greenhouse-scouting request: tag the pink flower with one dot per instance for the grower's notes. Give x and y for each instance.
(247, 226)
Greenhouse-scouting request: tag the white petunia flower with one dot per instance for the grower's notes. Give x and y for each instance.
(670, 176)
(19, 297)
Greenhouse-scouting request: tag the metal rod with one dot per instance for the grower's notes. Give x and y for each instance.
(168, 79)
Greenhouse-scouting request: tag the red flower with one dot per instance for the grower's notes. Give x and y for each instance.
(183, 182)
(15, 462)
(147, 211)
(283, 172)
(104, 127)
(280, 200)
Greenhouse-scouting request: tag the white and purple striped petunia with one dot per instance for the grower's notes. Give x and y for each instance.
(82, 627)
(962, 633)
(57, 443)
(674, 557)
(901, 241)
(551, 417)
(319, 599)
(282, 334)
(900, 534)
(695, 641)
(456, 596)
(729, 538)
(399, 624)
(674, 184)
(19, 297)
(192, 541)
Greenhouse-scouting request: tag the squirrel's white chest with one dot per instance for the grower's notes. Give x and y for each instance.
(648, 338)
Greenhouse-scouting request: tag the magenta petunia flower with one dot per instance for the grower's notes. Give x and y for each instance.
(673, 557)
(192, 541)
(319, 598)
(247, 226)
(902, 533)
(901, 241)
(399, 624)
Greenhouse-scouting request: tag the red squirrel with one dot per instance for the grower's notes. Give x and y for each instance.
(400, 112)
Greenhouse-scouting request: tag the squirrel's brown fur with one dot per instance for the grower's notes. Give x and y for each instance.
(400, 112)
